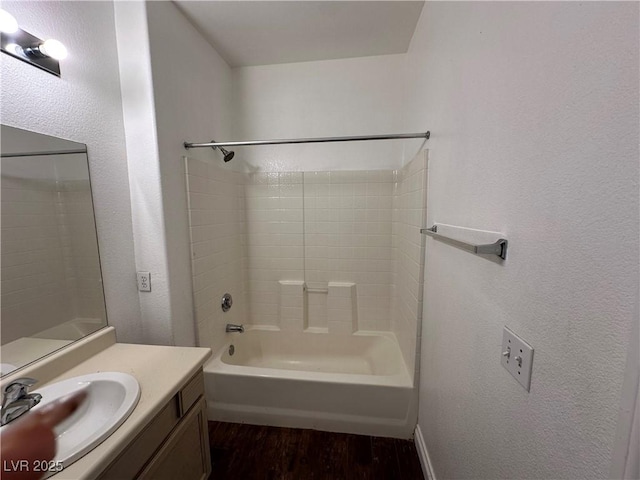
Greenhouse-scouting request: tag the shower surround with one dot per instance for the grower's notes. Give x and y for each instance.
(330, 253)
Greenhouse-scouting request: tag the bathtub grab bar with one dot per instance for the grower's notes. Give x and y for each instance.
(498, 248)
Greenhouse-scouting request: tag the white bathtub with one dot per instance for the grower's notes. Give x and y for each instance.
(344, 383)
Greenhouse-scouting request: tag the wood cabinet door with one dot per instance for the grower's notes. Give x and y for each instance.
(185, 454)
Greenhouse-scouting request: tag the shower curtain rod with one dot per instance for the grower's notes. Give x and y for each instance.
(424, 135)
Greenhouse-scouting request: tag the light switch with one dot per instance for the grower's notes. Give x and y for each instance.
(517, 357)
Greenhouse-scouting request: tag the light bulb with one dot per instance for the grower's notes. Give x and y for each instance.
(54, 49)
(14, 49)
(8, 23)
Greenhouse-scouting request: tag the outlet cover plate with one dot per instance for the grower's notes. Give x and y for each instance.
(144, 281)
(517, 347)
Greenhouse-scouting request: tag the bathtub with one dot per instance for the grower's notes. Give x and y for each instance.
(343, 383)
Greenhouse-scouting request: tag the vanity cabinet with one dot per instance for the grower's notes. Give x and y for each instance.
(174, 444)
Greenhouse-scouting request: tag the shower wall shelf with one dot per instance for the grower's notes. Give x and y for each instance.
(499, 248)
(392, 136)
(316, 290)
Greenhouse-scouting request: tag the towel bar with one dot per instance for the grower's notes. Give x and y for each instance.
(498, 248)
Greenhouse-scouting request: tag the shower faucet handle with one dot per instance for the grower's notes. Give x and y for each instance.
(226, 303)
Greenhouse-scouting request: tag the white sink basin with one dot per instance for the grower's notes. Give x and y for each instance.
(112, 396)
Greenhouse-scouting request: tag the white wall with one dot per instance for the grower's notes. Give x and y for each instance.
(533, 109)
(84, 106)
(149, 224)
(356, 96)
(164, 106)
(192, 89)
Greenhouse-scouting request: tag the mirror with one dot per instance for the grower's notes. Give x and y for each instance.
(51, 291)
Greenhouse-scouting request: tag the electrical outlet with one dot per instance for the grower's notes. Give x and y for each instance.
(517, 357)
(144, 282)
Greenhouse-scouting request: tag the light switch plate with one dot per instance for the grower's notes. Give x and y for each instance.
(517, 357)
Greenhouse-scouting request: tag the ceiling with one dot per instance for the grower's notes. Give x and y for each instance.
(249, 33)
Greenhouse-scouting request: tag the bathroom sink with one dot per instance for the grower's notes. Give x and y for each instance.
(112, 396)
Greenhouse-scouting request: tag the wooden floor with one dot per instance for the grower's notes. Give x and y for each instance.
(250, 452)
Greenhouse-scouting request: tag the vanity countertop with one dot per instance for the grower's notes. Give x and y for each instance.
(160, 371)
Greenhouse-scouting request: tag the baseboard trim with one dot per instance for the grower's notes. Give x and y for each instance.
(423, 454)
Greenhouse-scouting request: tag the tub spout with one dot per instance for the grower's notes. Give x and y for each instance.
(234, 328)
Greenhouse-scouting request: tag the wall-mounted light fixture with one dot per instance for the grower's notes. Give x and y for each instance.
(44, 54)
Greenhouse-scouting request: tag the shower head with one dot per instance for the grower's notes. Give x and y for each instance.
(226, 154)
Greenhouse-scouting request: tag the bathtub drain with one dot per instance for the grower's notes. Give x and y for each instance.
(232, 350)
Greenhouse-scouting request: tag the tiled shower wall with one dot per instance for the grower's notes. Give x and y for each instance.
(32, 262)
(50, 262)
(77, 230)
(252, 231)
(347, 233)
(409, 210)
(274, 241)
(217, 227)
